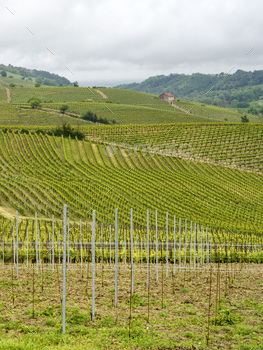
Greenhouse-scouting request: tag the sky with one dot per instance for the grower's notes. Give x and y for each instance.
(108, 42)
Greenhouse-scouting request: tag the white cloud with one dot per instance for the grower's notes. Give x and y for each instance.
(131, 40)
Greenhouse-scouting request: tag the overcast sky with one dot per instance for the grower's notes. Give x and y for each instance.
(113, 41)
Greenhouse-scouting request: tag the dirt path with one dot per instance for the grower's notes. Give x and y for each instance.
(8, 95)
(101, 93)
(181, 108)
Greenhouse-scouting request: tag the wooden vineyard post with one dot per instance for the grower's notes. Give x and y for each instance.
(194, 242)
(180, 245)
(162, 269)
(27, 247)
(39, 249)
(131, 287)
(185, 245)
(116, 257)
(125, 248)
(197, 247)
(148, 263)
(13, 250)
(93, 265)
(3, 252)
(167, 244)
(191, 245)
(68, 243)
(110, 245)
(49, 249)
(36, 244)
(156, 243)
(17, 261)
(53, 248)
(102, 254)
(148, 251)
(33, 292)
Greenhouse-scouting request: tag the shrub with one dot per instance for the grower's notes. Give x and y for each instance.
(3, 73)
(63, 108)
(35, 102)
(244, 119)
(67, 131)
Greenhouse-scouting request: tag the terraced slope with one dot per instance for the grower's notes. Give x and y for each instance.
(40, 173)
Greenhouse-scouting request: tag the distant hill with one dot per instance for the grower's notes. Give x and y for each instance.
(30, 77)
(238, 90)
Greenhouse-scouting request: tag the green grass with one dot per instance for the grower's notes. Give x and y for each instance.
(214, 112)
(130, 114)
(54, 94)
(2, 94)
(136, 98)
(14, 115)
(17, 80)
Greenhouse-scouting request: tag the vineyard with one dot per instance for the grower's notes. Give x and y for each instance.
(160, 243)
(39, 173)
(122, 106)
(136, 286)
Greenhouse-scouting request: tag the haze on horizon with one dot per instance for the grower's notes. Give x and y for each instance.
(112, 41)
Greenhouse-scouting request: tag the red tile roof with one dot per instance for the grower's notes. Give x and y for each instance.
(167, 94)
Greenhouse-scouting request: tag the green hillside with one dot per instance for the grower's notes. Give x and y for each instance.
(233, 145)
(21, 76)
(235, 90)
(41, 172)
(16, 79)
(124, 107)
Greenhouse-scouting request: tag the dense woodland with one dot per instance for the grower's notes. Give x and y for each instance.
(237, 90)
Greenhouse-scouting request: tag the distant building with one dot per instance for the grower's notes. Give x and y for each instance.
(166, 97)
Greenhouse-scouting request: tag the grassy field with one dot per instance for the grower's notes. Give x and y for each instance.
(17, 80)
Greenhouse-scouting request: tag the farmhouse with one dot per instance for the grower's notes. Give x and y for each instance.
(166, 97)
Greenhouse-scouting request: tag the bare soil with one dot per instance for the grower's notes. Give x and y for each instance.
(177, 307)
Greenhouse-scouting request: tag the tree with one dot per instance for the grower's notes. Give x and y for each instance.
(89, 115)
(39, 80)
(76, 84)
(244, 119)
(37, 85)
(35, 102)
(63, 108)
(3, 73)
